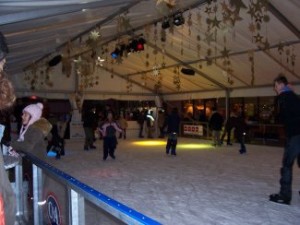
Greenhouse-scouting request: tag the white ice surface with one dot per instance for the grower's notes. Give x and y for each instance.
(209, 186)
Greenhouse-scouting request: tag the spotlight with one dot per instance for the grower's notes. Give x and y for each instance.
(136, 45)
(140, 44)
(115, 54)
(178, 19)
(55, 60)
(187, 71)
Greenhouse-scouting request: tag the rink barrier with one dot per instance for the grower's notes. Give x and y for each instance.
(106, 203)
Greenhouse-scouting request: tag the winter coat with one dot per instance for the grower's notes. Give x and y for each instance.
(173, 123)
(289, 112)
(240, 126)
(216, 121)
(89, 119)
(35, 138)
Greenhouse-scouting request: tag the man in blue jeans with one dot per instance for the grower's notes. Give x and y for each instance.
(289, 113)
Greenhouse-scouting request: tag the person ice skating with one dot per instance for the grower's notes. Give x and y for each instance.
(123, 125)
(240, 131)
(141, 121)
(150, 123)
(215, 123)
(289, 113)
(89, 123)
(173, 123)
(108, 130)
(228, 127)
(161, 123)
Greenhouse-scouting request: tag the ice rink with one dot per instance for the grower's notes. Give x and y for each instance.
(201, 185)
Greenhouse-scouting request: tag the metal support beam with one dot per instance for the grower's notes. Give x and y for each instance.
(55, 10)
(275, 12)
(19, 189)
(37, 194)
(76, 208)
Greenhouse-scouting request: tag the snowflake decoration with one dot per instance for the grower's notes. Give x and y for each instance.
(155, 70)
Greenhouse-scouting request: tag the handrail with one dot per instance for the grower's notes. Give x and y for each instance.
(115, 208)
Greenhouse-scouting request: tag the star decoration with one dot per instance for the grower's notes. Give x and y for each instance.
(235, 17)
(237, 4)
(258, 38)
(226, 17)
(209, 37)
(258, 18)
(280, 48)
(215, 8)
(215, 22)
(258, 7)
(225, 53)
(94, 35)
(251, 11)
(266, 44)
(208, 10)
(224, 6)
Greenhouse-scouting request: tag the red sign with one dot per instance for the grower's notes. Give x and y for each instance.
(193, 129)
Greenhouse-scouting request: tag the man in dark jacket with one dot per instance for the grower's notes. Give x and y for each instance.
(289, 113)
(89, 125)
(215, 124)
(240, 131)
(173, 123)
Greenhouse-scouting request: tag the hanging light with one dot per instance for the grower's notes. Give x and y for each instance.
(178, 19)
(140, 44)
(116, 53)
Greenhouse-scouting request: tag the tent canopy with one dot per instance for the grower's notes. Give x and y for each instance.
(163, 47)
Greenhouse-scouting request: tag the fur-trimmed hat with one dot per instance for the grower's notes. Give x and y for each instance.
(35, 111)
(3, 47)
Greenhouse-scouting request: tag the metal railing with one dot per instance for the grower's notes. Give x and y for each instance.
(59, 198)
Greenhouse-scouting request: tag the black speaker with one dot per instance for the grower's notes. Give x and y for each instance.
(188, 71)
(55, 60)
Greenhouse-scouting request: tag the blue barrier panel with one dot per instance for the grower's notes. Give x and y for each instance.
(121, 211)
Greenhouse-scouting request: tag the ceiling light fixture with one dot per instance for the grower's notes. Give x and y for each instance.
(178, 19)
(116, 53)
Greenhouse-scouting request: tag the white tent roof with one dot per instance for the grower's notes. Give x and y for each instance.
(230, 45)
